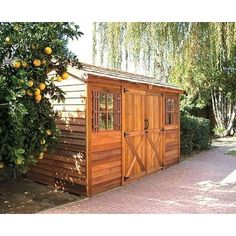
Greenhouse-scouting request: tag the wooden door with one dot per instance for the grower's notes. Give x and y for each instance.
(143, 133)
(154, 132)
(135, 148)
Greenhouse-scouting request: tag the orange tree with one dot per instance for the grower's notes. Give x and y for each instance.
(28, 52)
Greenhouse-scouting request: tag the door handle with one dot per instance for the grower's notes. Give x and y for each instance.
(146, 124)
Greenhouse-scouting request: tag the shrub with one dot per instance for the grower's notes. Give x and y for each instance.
(28, 52)
(195, 134)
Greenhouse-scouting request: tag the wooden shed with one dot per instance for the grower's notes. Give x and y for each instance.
(116, 127)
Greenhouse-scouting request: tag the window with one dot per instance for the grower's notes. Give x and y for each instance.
(106, 111)
(170, 111)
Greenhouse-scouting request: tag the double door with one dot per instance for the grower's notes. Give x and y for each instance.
(143, 136)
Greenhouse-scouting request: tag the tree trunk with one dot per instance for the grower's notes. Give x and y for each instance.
(224, 111)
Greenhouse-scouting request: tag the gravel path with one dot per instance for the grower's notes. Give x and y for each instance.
(205, 183)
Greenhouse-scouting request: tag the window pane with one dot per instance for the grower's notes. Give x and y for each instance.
(110, 102)
(172, 105)
(168, 105)
(110, 121)
(169, 118)
(102, 102)
(102, 121)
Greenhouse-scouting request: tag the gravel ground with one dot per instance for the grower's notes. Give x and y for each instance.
(205, 183)
(27, 196)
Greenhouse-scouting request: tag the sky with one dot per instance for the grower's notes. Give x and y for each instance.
(83, 46)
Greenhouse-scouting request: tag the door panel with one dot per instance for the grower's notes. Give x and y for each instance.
(135, 149)
(143, 133)
(154, 135)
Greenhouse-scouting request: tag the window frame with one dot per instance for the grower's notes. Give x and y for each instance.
(171, 110)
(96, 111)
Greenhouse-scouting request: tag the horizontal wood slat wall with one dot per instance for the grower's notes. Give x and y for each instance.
(65, 168)
(171, 147)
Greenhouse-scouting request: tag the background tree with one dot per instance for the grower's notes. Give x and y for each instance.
(199, 57)
(28, 52)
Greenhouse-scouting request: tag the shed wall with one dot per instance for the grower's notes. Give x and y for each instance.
(65, 168)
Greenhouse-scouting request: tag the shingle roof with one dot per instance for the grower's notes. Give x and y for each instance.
(119, 75)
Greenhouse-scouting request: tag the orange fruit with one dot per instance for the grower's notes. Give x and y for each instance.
(16, 64)
(48, 50)
(49, 132)
(33, 46)
(23, 91)
(42, 86)
(65, 75)
(30, 83)
(24, 64)
(37, 62)
(38, 98)
(19, 161)
(40, 155)
(1, 165)
(29, 92)
(8, 40)
(59, 78)
(42, 141)
(37, 92)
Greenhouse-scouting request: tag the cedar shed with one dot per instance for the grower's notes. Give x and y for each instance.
(116, 127)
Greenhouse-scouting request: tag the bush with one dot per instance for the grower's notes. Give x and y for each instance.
(195, 134)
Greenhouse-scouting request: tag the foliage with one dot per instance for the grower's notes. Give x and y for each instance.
(195, 134)
(28, 52)
(219, 131)
(198, 57)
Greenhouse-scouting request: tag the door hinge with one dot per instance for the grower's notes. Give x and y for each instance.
(125, 90)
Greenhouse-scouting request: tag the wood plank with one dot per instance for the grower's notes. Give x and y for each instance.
(75, 108)
(71, 121)
(43, 166)
(106, 165)
(69, 153)
(43, 179)
(70, 114)
(71, 179)
(72, 128)
(79, 93)
(69, 159)
(72, 167)
(105, 147)
(105, 154)
(71, 147)
(42, 171)
(106, 160)
(71, 101)
(70, 187)
(108, 177)
(98, 188)
(107, 171)
(68, 172)
(70, 134)
(123, 129)
(88, 138)
(74, 141)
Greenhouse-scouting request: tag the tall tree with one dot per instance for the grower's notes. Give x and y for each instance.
(200, 57)
(28, 52)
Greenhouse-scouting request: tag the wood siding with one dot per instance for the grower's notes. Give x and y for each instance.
(66, 167)
(104, 151)
(172, 135)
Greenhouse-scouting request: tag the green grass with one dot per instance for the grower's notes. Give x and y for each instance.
(231, 152)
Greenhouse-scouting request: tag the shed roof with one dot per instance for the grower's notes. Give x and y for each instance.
(88, 69)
